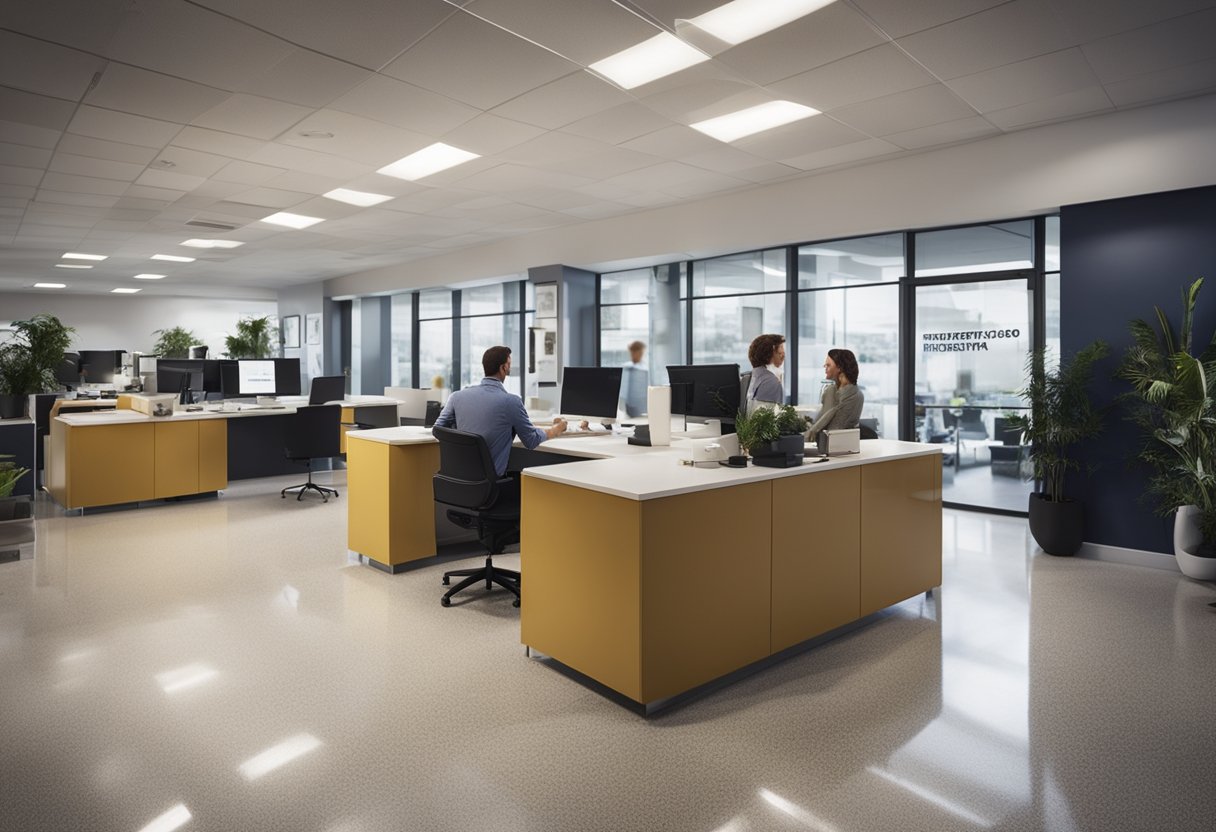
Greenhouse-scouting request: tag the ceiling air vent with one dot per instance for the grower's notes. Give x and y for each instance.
(212, 224)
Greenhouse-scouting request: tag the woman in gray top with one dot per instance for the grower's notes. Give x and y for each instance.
(766, 386)
(842, 400)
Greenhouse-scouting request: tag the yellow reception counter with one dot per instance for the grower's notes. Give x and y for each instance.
(652, 577)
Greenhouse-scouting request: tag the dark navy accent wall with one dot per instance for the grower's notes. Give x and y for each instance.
(1121, 257)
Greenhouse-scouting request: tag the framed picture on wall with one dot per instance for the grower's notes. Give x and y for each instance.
(291, 332)
(546, 300)
(312, 328)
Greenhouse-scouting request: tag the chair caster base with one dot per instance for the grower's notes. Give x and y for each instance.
(445, 601)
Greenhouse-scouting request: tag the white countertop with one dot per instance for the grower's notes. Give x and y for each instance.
(124, 416)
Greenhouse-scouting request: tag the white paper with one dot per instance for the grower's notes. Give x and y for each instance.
(658, 413)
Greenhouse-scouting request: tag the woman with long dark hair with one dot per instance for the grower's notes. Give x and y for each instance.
(842, 399)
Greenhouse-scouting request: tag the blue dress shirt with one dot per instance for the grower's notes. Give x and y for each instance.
(489, 410)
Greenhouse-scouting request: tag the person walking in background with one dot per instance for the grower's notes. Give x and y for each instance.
(634, 381)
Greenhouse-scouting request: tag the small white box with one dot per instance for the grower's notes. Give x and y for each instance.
(146, 404)
(837, 442)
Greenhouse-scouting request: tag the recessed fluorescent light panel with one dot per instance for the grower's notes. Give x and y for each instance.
(649, 60)
(742, 20)
(71, 266)
(278, 755)
(211, 243)
(50, 285)
(292, 220)
(123, 290)
(74, 255)
(427, 161)
(734, 126)
(361, 198)
(149, 276)
(173, 258)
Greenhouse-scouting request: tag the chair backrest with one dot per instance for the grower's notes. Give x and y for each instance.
(313, 432)
(433, 409)
(467, 477)
(198, 351)
(971, 424)
(745, 383)
(868, 428)
(327, 389)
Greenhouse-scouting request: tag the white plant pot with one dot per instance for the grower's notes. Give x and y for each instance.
(1186, 541)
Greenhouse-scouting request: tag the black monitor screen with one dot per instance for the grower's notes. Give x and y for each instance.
(176, 379)
(260, 377)
(207, 370)
(709, 390)
(99, 366)
(327, 389)
(68, 371)
(591, 391)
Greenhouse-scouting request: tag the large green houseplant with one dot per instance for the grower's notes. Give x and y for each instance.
(28, 362)
(252, 339)
(1061, 415)
(770, 430)
(174, 342)
(1173, 402)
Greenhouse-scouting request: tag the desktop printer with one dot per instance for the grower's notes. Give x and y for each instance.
(837, 442)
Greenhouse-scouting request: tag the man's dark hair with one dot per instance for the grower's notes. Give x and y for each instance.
(493, 358)
(760, 353)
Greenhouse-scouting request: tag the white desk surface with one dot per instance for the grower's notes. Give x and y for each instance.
(606, 446)
(120, 417)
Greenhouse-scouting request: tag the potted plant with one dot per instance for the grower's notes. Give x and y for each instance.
(28, 362)
(1173, 402)
(252, 339)
(770, 432)
(174, 343)
(12, 508)
(1061, 414)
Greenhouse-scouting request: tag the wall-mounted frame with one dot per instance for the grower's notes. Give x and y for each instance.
(546, 300)
(312, 328)
(291, 332)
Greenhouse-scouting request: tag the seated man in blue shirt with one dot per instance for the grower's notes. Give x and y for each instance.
(488, 409)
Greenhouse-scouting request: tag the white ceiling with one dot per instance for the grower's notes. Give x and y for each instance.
(121, 121)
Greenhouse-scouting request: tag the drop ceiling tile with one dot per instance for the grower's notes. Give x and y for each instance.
(269, 197)
(899, 17)
(251, 115)
(24, 156)
(682, 103)
(818, 38)
(83, 24)
(619, 124)
(723, 158)
(951, 131)
(235, 212)
(605, 164)
(143, 197)
(404, 105)
(1011, 32)
(769, 171)
(45, 68)
(187, 41)
(1183, 40)
(219, 143)
(372, 142)
(799, 138)
(369, 33)
(247, 173)
(908, 110)
(123, 128)
(552, 147)
(306, 183)
(28, 135)
(489, 134)
(843, 154)
(674, 142)
(1093, 19)
(308, 161)
(129, 89)
(560, 102)
(1067, 105)
(12, 175)
(668, 11)
(214, 189)
(100, 168)
(1166, 83)
(1037, 78)
(431, 199)
(552, 199)
(101, 149)
(507, 178)
(169, 179)
(16, 191)
(873, 73)
(474, 62)
(190, 162)
(88, 200)
(83, 184)
(306, 78)
(564, 27)
(37, 110)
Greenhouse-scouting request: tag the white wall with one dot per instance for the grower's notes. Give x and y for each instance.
(127, 323)
(304, 300)
(1159, 148)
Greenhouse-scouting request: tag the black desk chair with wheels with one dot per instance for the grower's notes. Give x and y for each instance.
(313, 432)
(468, 485)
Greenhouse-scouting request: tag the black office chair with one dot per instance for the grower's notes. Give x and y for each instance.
(868, 428)
(313, 432)
(433, 409)
(468, 485)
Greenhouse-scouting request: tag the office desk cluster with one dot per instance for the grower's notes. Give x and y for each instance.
(653, 577)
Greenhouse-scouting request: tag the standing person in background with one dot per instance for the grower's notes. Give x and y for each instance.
(634, 381)
(842, 399)
(766, 355)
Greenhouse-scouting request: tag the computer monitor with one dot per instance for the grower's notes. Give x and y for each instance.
(591, 391)
(68, 371)
(260, 377)
(711, 391)
(100, 366)
(171, 379)
(208, 370)
(327, 389)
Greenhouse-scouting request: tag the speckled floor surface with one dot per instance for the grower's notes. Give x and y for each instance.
(225, 665)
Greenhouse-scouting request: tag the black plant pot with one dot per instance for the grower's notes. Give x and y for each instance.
(793, 443)
(1058, 528)
(11, 407)
(18, 507)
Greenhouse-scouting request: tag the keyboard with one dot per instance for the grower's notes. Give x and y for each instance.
(570, 434)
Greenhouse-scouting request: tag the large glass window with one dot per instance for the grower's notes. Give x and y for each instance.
(401, 314)
(643, 305)
(734, 299)
(1051, 265)
(435, 364)
(849, 262)
(999, 246)
(735, 274)
(478, 334)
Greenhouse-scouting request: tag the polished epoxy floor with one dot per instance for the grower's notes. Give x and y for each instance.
(225, 665)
